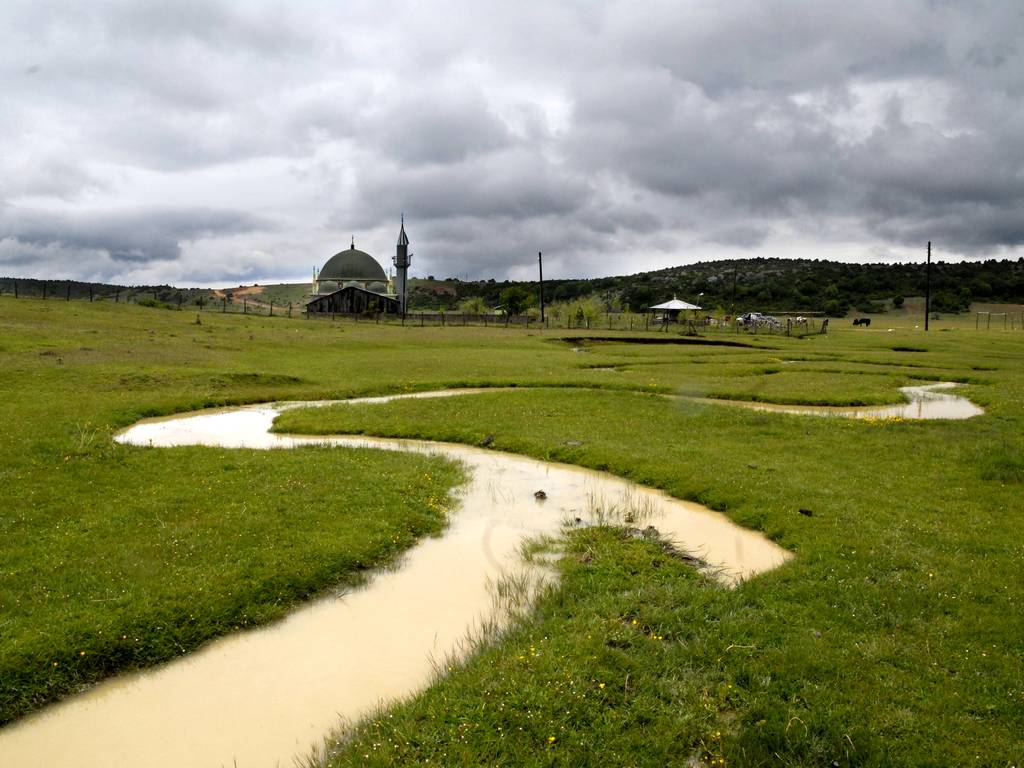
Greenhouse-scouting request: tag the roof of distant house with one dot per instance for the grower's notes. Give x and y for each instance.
(675, 304)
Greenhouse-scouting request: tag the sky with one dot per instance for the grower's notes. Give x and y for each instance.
(200, 142)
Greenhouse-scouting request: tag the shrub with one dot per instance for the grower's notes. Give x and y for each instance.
(155, 304)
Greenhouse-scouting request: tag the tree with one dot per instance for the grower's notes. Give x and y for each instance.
(474, 305)
(515, 299)
(585, 310)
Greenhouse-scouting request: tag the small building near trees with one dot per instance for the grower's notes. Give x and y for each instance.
(669, 311)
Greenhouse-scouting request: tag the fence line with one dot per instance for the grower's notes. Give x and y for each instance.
(61, 290)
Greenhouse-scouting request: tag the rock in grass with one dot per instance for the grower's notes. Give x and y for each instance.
(486, 441)
(806, 512)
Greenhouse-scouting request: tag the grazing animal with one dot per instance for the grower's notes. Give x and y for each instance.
(800, 320)
(757, 320)
(865, 321)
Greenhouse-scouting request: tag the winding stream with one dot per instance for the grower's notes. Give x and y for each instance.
(268, 696)
(925, 402)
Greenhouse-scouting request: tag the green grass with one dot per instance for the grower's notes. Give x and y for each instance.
(116, 557)
(894, 637)
(123, 558)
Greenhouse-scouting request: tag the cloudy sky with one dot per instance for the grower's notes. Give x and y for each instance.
(216, 143)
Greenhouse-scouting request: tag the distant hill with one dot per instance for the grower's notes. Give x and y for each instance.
(740, 285)
(258, 296)
(77, 289)
(773, 285)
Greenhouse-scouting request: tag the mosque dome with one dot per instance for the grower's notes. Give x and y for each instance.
(352, 264)
(377, 287)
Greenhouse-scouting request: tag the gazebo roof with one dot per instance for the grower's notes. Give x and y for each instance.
(675, 304)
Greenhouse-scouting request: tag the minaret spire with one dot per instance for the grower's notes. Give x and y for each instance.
(402, 259)
(402, 237)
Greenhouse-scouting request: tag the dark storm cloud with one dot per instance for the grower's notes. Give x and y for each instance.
(736, 127)
(476, 248)
(440, 129)
(159, 138)
(758, 152)
(515, 184)
(123, 236)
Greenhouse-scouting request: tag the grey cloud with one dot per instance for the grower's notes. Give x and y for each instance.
(140, 236)
(477, 248)
(514, 184)
(591, 130)
(758, 151)
(744, 235)
(442, 129)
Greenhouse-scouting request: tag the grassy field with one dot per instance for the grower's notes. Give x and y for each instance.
(115, 557)
(894, 636)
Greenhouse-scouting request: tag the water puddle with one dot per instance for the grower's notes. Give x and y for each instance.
(930, 401)
(266, 697)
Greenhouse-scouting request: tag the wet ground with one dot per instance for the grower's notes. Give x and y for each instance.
(265, 697)
(930, 401)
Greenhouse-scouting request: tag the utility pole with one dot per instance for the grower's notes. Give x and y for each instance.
(540, 266)
(928, 287)
(732, 309)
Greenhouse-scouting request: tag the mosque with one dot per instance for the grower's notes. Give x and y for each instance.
(353, 282)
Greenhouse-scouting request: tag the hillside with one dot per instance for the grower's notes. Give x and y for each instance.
(771, 285)
(794, 285)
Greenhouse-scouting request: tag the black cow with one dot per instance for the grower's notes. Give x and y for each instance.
(862, 321)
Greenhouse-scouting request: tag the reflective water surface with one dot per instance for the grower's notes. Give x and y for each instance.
(265, 697)
(930, 401)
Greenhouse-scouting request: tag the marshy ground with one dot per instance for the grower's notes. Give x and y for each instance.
(893, 637)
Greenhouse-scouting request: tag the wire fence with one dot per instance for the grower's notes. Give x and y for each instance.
(789, 324)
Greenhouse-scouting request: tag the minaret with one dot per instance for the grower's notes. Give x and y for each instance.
(402, 259)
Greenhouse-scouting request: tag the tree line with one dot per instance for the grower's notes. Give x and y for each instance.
(742, 285)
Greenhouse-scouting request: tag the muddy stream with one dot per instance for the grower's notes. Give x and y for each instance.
(928, 401)
(267, 697)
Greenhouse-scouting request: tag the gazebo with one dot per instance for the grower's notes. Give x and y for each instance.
(670, 309)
